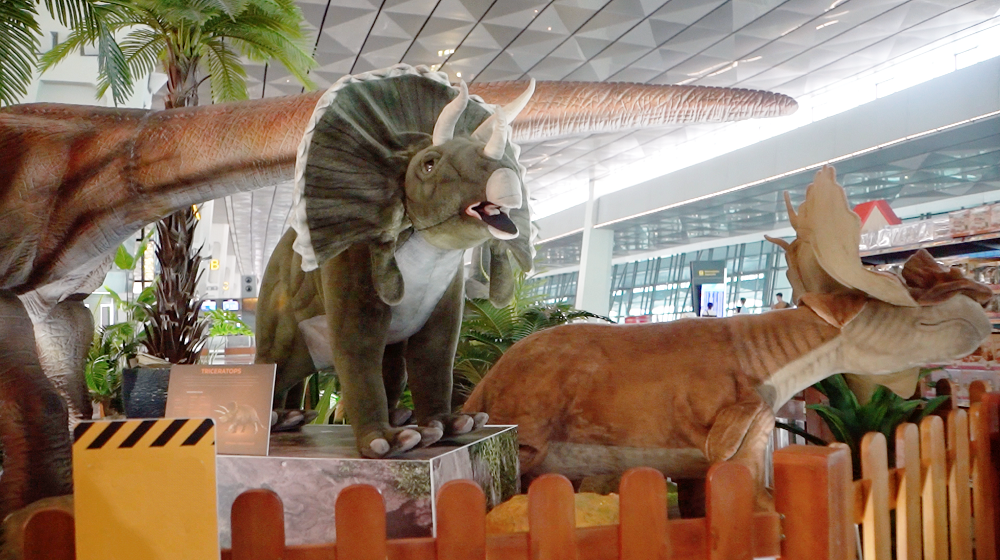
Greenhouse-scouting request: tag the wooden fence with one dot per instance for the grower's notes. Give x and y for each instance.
(939, 483)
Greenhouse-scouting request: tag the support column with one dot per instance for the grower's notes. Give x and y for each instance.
(593, 287)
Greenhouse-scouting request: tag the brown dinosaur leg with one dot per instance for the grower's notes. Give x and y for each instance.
(751, 454)
(33, 418)
(63, 337)
(430, 360)
(740, 435)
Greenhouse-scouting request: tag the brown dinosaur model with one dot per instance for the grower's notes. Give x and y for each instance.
(76, 181)
(594, 399)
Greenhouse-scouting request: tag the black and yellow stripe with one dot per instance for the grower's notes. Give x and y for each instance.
(151, 484)
(128, 434)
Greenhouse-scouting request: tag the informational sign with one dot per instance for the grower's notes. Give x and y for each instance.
(145, 489)
(708, 272)
(237, 397)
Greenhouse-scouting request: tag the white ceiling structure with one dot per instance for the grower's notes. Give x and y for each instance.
(795, 47)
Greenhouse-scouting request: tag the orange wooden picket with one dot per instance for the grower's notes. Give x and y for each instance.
(49, 534)
(817, 504)
(642, 529)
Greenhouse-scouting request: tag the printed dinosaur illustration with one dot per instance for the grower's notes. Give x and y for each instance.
(76, 181)
(594, 399)
(240, 418)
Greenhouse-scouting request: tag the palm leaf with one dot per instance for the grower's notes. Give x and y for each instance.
(228, 78)
(19, 33)
(264, 45)
(143, 49)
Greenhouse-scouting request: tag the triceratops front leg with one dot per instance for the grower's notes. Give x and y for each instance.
(740, 435)
(430, 361)
(359, 325)
(33, 417)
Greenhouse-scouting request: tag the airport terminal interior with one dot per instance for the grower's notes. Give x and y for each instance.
(773, 226)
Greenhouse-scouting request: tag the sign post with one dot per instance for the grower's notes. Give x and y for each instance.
(706, 272)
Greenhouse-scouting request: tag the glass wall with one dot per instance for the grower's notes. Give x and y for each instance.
(661, 287)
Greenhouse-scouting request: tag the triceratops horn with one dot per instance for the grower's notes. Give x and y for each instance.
(512, 109)
(498, 136)
(444, 128)
(792, 216)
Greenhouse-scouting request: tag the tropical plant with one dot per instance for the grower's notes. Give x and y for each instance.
(849, 420)
(20, 32)
(488, 331)
(115, 347)
(227, 323)
(173, 330)
(185, 39)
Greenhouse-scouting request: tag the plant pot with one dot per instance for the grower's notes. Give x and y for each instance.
(144, 392)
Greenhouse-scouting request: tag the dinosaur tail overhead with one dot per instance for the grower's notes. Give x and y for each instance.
(92, 176)
(559, 109)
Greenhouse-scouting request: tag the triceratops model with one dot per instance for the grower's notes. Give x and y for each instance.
(393, 206)
(76, 181)
(598, 399)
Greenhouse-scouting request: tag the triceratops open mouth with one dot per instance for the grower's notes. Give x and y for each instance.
(496, 218)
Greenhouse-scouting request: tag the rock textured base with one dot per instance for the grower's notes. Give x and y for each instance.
(308, 469)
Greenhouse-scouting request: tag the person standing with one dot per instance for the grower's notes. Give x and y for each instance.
(709, 311)
(743, 303)
(781, 303)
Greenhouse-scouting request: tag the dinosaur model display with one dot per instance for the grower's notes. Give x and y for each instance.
(593, 399)
(76, 181)
(394, 200)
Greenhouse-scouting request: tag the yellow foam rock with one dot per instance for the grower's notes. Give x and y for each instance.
(591, 510)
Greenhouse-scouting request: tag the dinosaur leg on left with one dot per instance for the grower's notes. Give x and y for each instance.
(33, 417)
(64, 332)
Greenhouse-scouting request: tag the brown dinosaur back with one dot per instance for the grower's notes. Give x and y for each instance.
(647, 385)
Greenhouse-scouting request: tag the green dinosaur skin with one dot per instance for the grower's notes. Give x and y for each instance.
(342, 289)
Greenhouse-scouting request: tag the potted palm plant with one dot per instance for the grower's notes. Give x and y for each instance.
(191, 42)
(173, 332)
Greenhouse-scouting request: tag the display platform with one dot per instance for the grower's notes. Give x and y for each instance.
(308, 469)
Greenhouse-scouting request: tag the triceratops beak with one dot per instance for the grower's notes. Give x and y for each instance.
(503, 193)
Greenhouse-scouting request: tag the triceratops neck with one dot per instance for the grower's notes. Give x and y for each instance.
(802, 372)
(783, 352)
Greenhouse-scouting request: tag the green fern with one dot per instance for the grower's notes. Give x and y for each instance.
(489, 331)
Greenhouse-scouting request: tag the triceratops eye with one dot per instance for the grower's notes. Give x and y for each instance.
(427, 163)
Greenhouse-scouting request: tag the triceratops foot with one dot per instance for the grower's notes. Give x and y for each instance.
(290, 420)
(384, 443)
(457, 424)
(399, 417)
